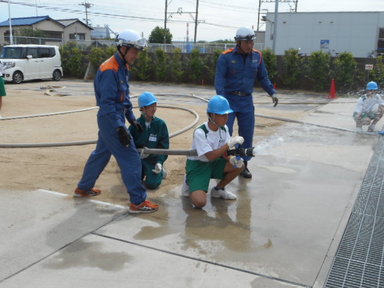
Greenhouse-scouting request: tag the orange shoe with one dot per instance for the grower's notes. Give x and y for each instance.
(145, 207)
(87, 193)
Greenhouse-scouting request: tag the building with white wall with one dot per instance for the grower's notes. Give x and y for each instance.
(360, 33)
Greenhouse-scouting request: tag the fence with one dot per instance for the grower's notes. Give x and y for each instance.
(185, 47)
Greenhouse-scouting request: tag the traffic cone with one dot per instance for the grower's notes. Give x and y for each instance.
(332, 91)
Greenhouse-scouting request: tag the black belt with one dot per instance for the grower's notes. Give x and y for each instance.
(239, 93)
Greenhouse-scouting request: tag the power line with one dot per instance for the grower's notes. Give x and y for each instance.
(87, 5)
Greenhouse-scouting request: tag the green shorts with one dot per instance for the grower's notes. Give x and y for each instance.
(199, 173)
(2, 87)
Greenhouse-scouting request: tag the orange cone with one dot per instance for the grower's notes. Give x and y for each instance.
(332, 91)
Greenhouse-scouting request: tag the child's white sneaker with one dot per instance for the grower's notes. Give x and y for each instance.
(223, 194)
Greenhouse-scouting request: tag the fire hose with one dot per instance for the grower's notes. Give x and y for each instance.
(242, 152)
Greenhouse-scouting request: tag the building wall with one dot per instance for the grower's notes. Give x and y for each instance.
(76, 28)
(54, 29)
(332, 32)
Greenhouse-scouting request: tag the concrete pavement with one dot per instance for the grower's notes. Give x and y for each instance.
(281, 232)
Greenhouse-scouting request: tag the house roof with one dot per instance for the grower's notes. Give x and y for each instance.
(26, 21)
(68, 22)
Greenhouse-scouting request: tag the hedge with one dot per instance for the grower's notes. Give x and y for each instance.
(290, 71)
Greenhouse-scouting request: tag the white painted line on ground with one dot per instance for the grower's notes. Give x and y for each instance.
(108, 204)
(91, 200)
(53, 192)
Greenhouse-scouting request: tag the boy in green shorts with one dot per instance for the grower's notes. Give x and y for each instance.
(211, 141)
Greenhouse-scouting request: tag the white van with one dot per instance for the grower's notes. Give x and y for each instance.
(28, 62)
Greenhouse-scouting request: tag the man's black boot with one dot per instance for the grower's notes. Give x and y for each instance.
(246, 173)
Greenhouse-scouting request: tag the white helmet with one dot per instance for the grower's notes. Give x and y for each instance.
(130, 38)
(244, 33)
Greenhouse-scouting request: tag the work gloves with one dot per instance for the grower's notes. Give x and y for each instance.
(158, 168)
(137, 125)
(124, 136)
(236, 161)
(235, 140)
(275, 100)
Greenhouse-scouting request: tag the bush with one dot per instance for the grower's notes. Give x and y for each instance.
(98, 55)
(73, 60)
(344, 71)
(176, 68)
(270, 61)
(143, 68)
(196, 66)
(292, 69)
(319, 70)
(161, 65)
(377, 74)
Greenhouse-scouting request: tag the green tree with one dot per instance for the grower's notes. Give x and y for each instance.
(98, 55)
(377, 74)
(270, 61)
(161, 65)
(73, 60)
(160, 35)
(176, 68)
(143, 68)
(344, 70)
(319, 70)
(196, 66)
(292, 67)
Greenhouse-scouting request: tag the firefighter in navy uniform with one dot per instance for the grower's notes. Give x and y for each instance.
(237, 71)
(112, 96)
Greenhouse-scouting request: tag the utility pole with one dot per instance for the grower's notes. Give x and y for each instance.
(10, 24)
(180, 12)
(165, 20)
(258, 16)
(197, 11)
(272, 1)
(275, 26)
(87, 5)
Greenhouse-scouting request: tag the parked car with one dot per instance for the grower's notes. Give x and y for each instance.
(28, 62)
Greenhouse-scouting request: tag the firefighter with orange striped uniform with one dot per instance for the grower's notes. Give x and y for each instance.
(112, 96)
(237, 70)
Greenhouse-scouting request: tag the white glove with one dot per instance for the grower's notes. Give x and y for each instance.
(236, 161)
(235, 140)
(158, 168)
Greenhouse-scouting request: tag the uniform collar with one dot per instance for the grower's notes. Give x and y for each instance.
(120, 60)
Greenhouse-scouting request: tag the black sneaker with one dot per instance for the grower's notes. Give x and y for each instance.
(246, 173)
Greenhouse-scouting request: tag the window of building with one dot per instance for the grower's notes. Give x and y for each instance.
(380, 41)
(77, 36)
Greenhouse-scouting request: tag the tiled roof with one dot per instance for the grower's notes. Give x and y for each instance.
(25, 21)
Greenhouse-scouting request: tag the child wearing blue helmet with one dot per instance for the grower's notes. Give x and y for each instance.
(369, 108)
(151, 133)
(211, 140)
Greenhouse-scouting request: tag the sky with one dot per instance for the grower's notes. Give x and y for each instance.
(218, 19)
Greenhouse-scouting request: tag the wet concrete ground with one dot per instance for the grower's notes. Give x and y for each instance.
(281, 232)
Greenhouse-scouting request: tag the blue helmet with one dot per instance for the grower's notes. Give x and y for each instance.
(219, 105)
(372, 86)
(146, 99)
